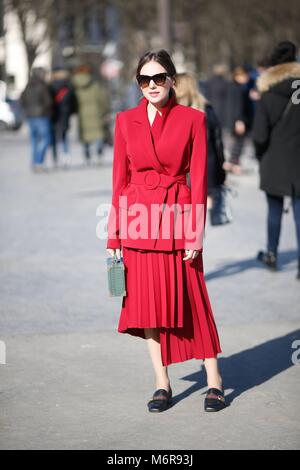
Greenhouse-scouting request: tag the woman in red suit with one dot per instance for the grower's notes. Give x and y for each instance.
(157, 223)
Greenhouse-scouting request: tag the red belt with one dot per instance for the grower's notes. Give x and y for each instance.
(152, 179)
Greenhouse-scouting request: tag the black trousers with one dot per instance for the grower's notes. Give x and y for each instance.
(275, 210)
(237, 148)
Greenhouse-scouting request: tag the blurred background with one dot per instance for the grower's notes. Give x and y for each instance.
(66, 68)
(111, 34)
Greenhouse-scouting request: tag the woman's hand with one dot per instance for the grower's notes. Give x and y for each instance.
(114, 252)
(191, 254)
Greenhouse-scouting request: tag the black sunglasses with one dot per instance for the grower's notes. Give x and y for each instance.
(159, 79)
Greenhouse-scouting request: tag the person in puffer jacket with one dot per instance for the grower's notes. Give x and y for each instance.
(276, 135)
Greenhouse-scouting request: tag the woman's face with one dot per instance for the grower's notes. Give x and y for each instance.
(156, 94)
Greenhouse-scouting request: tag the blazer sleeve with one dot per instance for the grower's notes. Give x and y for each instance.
(120, 178)
(261, 130)
(198, 182)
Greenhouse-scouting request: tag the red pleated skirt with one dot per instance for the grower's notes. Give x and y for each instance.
(165, 292)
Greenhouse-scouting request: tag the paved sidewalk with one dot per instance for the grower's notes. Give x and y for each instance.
(72, 382)
(89, 391)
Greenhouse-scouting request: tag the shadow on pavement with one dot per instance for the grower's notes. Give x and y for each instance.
(247, 369)
(230, 269)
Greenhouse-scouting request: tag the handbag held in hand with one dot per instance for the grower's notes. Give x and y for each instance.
(116, 276)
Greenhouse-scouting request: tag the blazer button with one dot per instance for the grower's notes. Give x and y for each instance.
(152, 179)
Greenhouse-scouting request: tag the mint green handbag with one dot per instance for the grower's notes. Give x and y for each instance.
(116, 276)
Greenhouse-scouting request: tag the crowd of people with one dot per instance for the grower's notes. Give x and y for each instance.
(49, 105)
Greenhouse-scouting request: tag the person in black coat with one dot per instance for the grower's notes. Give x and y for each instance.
(65, 104)
(216, 174)
(216, 89)
(37, 103)
(239, 115)
(276, 134)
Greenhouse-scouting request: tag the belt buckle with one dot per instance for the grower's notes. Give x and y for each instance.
(153, 178)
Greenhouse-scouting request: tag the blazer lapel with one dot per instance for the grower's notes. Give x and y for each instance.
(144, 129)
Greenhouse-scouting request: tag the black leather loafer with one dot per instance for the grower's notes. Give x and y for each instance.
(214, 400)
(160, 401)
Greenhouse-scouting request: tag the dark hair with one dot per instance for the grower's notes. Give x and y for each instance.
(163, 58)
(285, 51)
(38, 73)
(239, 70)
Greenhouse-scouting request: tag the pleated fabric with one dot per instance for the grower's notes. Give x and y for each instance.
(166, 292)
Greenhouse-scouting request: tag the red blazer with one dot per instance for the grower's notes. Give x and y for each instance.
(147, 172)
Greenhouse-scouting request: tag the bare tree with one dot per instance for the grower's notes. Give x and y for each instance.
(206, 31)
(34, 17)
